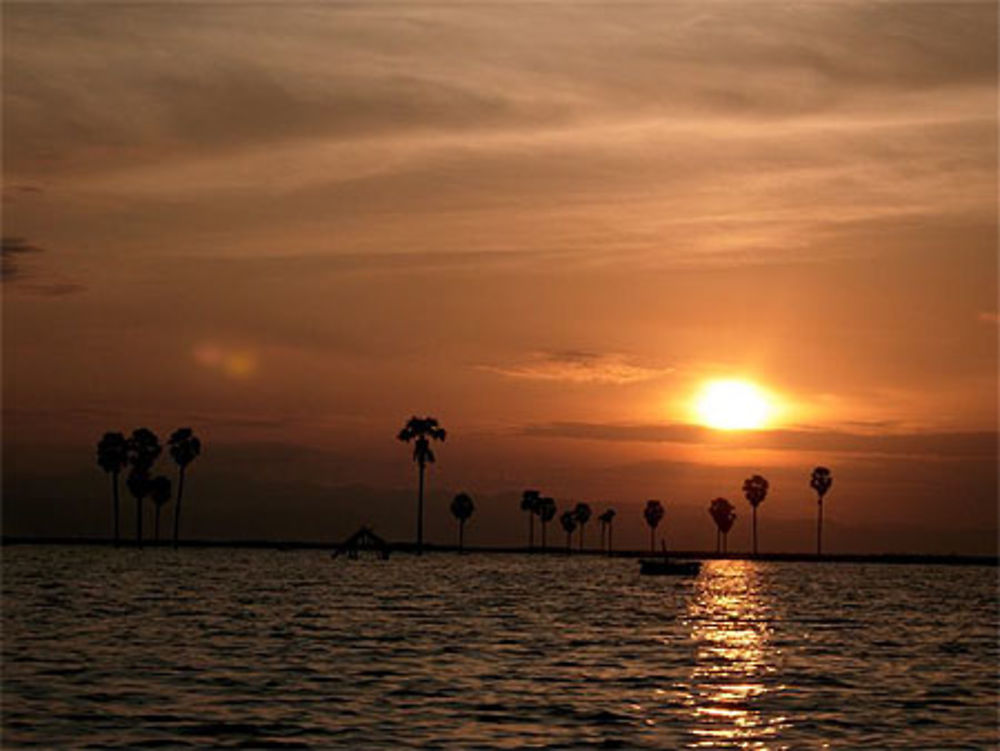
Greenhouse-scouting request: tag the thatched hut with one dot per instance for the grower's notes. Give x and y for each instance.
(364, 540)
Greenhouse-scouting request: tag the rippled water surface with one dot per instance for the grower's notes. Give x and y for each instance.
(260, 649)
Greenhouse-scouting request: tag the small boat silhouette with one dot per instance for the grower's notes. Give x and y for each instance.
(666, 567)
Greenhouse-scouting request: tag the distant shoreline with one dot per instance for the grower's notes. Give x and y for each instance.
(404, 547)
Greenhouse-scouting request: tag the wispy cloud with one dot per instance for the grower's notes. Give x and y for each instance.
(12, 251)
(942, 444)
(575, 366)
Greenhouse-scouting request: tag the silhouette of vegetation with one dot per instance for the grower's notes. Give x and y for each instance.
(529, 504)
(653, 514)
(142, 449)
(582, 513)
(421, 430)
(606, 519)
(184, 449)
(112, 457)
(159, 494)
(568, 521)
(723, 513)
(546, 512)
(821, 481)
(462, 508)
(755, 491)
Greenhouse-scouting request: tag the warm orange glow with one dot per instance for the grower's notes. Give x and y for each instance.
(733, 405)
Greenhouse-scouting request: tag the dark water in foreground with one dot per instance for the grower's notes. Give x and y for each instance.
(260, 649)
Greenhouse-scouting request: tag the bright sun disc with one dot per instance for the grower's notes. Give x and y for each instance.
(732, 405)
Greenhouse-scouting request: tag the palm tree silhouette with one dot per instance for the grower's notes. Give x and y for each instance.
(462, 508)
(606, 519)
(159, 494)
(112, 457)
(568, 522)
(546, 512)
(723, 513)
(184, 449)
(529, 503)
(421, 430)
(142, 448)
(137, 483)
(653, 514)
(582, 512)
(820, 481)
(755, 490)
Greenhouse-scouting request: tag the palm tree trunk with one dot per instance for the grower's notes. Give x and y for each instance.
(177, 508)
(652, 540)
(543, 523)
(156, 524)
(420, 512)
(581, 537)
(718, 540)
(114, 493)
(819, 529)
(531, 530)
(725, 542)
(569, 537)
(755, 530)
(461, 534)
(610, 527)
(138, 522)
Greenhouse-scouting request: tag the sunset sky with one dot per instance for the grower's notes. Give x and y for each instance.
(292, 226)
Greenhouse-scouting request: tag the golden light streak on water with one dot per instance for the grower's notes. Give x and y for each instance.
(730, 615)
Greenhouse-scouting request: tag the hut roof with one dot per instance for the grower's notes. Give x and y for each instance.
(364, 539)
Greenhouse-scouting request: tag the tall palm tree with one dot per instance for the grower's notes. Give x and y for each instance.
(821, 481)
(142, 449)
(583, 513)
(159, 494)
(568, 522)
(112, 457)
(755, 490)
(421, 430)
(529, 503)
(653, 513)
(184, 449)
(546, 512)
(723, 514)
(462, 508)
(606, 520)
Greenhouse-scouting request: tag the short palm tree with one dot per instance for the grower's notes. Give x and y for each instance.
(653, 513)
(184, 449)
(546, 512)
(137, 483)
(568, 521)
(462, 508)
(112, 457)
(529, 504)
(821, 481)
(142, 448)
(421, 430)
(606, 520)
(159, 494)
(723, 514)
(755, 491)
(583, 513)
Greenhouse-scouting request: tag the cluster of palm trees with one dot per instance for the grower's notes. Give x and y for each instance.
(755, 488)
(138, 454)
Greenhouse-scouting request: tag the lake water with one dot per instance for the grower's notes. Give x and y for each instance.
(261, 649)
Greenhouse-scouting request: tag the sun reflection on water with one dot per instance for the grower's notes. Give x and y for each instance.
(730, 617)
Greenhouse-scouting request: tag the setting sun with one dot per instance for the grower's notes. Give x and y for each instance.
(732, 405)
